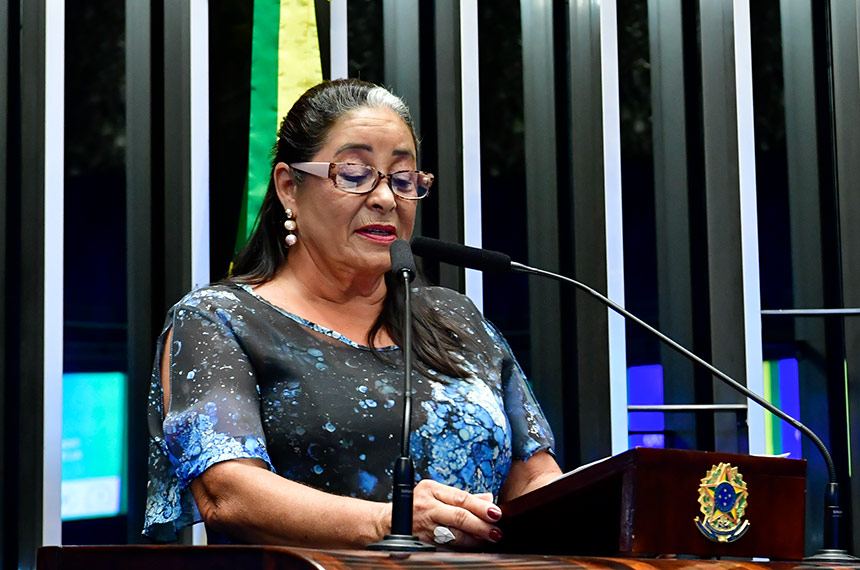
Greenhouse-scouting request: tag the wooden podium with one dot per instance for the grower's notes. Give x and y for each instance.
(644, 502)
(283, 558)
(641, 503)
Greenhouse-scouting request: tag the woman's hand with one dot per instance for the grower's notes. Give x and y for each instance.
(470, 518)
(524, 476)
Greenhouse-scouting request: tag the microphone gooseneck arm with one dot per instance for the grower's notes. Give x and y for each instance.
(832, 510)
(520, 268)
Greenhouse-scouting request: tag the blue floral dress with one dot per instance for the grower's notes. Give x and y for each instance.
(250, 380)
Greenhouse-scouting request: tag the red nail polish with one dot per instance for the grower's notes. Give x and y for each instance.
(495, 535)
(494, 513)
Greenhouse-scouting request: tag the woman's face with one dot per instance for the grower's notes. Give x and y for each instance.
(353, 232)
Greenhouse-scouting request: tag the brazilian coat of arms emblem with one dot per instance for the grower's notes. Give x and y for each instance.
(723, 500)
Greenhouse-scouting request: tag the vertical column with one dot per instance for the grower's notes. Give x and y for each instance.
(845, 26)
(401, 37)
(751, 286)
(10, 130)
(402, 58)
(142, 322)
(52, 326)
(542, 199)
(33, 291)
(732, 238)
(177, 150)
(671, 203)
(186, 153)
(801, 134)
(185, 147)
(597, 256)
(198, 121)
(470, 93)
(5, 86)
(616, 337)
(338, 41)
(449, 128)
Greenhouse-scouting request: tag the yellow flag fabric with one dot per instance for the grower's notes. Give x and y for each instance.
(285, 62)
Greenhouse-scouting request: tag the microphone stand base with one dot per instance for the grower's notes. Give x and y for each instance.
(401, 543)
(830, 557)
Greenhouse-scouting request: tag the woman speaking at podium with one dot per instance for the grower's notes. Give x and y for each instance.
(276, 402)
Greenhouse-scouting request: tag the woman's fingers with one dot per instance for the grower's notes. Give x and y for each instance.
(468, 518)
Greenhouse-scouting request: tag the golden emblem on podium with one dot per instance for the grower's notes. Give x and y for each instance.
(723, 500)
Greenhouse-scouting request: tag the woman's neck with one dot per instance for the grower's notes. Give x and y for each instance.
(347, 303)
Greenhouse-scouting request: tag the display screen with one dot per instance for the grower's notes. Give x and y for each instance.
(94, 436)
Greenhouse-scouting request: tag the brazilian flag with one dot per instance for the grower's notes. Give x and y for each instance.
(285, 62)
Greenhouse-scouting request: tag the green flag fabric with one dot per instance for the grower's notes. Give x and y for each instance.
(285, 62)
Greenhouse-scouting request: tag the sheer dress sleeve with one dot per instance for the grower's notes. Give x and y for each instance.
(214, 410)
(530, 430)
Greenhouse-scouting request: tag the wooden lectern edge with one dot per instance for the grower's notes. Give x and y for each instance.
(567, 483)
(172, 557)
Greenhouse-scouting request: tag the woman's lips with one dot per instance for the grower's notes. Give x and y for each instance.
(385, 234)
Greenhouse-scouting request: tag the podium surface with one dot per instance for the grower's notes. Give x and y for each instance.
(284, 558)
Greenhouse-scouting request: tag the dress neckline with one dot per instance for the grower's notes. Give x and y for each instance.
(312, 325)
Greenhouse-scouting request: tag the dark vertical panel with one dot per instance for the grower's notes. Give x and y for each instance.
(173, 245)
(402, 59)
(845, 18)
(402, 62)
(27, 378)
(449, 128)
(366, 51)
(177, 149)
(7, 89)
(672, 208)
(586, 231)
(699, 285)
(722, 197)
(806, 244)
(230, 31)
(141, 324)
(322, 9)
(542, 211)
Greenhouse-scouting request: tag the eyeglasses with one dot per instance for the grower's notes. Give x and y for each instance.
(362, 179)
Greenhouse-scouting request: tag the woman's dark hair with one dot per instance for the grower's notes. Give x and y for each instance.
(302, 134)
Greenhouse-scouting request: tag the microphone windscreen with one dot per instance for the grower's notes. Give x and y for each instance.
(401, 258)
(461, 255)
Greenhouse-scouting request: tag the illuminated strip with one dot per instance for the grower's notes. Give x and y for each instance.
(614, 223)
(770, 426)
(199, 34)
(749, 221)
(789, 402)
(339, 46)
(847, 415)
(199, 129)
(55, 58)
(471, 109)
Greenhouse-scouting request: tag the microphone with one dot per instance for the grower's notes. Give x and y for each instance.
(402, 262)
(401, 538)
(461, 255)
(486, 260)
